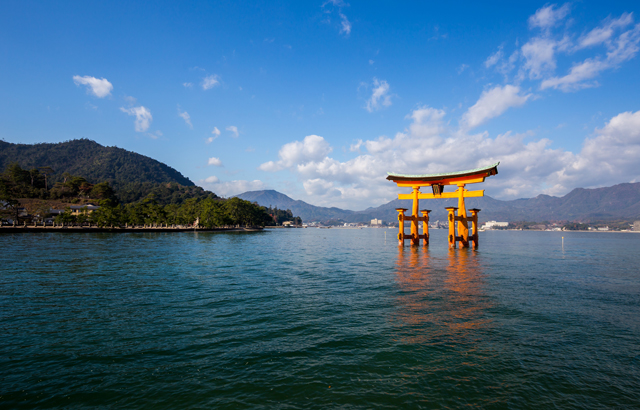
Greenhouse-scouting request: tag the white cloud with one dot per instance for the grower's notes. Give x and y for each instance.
(187, 85)
(345, 25)
(312, 148)
(379, 97)
(610, 157)
(230, 188)
(320, 187)
(604, 33)
(98, 87)
(216, 134)
(210, 81)
(539, 54)
(493, 103)
(185, 116)
(155, 135)
(623, 48)
(493, 58)
(528, 167)
(548, 16)
(234, 130)
(215, 162)
(143, 117)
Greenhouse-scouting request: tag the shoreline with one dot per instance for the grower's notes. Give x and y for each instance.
(76, 229)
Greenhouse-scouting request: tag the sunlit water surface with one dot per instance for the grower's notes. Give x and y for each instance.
(319, 318)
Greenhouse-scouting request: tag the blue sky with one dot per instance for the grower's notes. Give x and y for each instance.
(319, 100)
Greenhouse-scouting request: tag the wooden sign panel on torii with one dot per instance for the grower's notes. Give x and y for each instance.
(437, 182)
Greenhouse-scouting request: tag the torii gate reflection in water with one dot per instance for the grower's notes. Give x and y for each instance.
(437, 183)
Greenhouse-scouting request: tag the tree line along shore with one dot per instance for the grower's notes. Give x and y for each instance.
(26, 198)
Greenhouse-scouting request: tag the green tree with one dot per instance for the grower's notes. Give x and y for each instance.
(8, 203)
(46, 171)
(212, 213)
(65, 217)
(105, 194)
(108, 216)
(189, 211)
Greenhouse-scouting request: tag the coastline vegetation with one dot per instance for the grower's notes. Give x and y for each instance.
(143, 204)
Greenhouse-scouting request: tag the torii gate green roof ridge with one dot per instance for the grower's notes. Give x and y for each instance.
(490, 170)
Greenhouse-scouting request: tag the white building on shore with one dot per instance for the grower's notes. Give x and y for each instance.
(494, 225)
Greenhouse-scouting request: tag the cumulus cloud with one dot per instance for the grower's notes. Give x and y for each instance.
(493, 103)
(230, 188)
(216, 134)
(215, 162)
(529, 166)
(312, 148)
(610, 156)
(320, 187)
(234, 130)
(143, 117)
(185, 116)
(379, 97)
(210, 81)
(98, 87)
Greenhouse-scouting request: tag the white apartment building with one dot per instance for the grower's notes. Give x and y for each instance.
(494, 224)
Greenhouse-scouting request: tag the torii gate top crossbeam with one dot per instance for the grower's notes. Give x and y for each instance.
(449, 178)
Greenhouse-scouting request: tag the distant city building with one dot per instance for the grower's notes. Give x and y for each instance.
(494, 224)
(438, 225)
(636, 226)
(603, 228)
(376, 222)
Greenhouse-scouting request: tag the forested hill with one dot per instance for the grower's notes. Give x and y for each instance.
(92, 161)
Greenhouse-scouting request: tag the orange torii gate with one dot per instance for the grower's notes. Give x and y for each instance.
(437, 183)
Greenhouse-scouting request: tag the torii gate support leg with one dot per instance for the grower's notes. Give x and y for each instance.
(452, 226)
(474, 226)
(425, 226)
(415, 234)
(401, 218)
(463, 227)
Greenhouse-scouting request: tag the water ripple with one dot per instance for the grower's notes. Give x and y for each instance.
(319, 318)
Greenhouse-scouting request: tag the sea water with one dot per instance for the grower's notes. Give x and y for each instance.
(319, 318)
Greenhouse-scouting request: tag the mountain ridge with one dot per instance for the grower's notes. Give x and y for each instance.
(618, 202)
(92, 161)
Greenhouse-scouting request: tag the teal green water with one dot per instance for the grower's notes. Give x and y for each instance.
(317, 318)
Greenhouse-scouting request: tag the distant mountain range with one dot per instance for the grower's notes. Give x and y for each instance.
(619, 202)
(136, 176)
